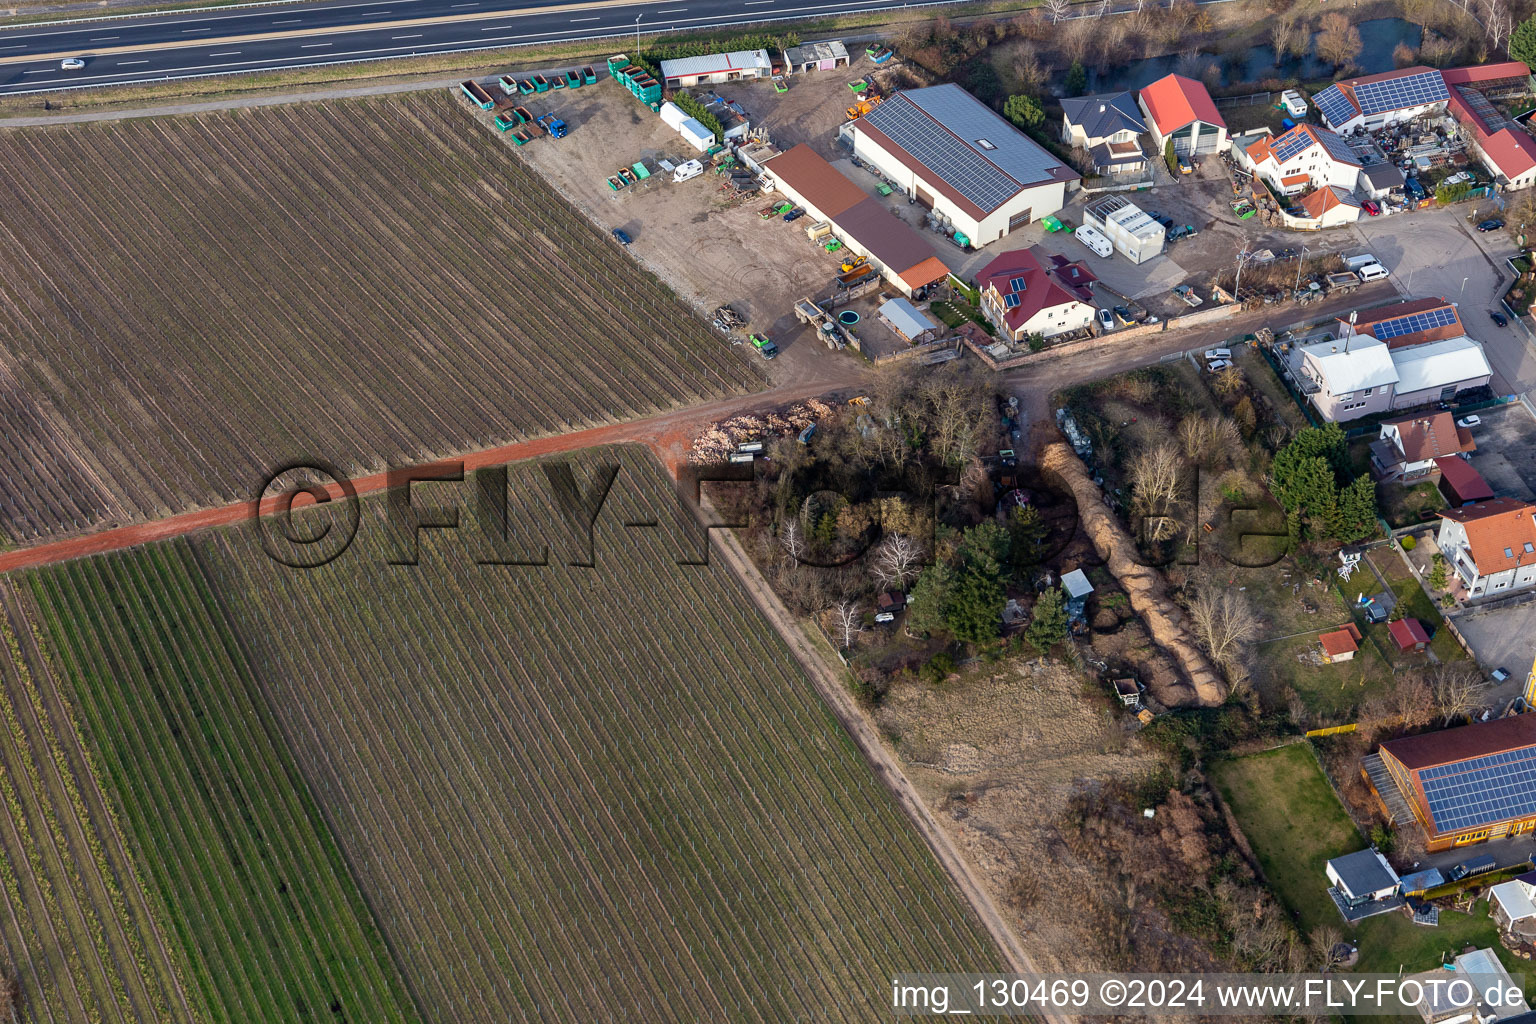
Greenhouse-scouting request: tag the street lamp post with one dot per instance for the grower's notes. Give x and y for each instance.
(1301, 261)
(637, 32)
(1463, 289)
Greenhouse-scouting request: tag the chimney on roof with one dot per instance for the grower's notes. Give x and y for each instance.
(1102, 108)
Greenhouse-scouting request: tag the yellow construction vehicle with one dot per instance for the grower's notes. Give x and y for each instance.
(853, 263)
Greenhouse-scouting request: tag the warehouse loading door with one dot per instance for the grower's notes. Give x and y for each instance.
(924, 198)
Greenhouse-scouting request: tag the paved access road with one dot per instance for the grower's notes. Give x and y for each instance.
(290, 35)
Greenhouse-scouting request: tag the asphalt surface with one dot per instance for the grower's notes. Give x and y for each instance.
(292, 35)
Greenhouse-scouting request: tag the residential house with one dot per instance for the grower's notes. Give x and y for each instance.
(1021, 298)
(1491, 545)
(1377, 181)
(1460, 484)
(1340, 644)
(952, 153)
(1348, 378)
(1438, 371)
(1407, 448)
(1466, 784)
(1473, 988)
(1181, 109)
(1401, 324)
(1108, 128)
(1328, 207)
(1304, 157)
(1361, 375)
(1074, 276)
(736, 66)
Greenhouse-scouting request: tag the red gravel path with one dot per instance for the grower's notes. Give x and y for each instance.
(667, 435)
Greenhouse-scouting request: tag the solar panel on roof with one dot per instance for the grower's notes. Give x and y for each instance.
(971, 174)
(1016, 284)
(1011, 300)
(1481, 790)
(1334, 105)
(1288, 145)
(1398, 93)
(1444, 316)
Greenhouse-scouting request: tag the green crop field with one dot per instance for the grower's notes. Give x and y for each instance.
(461, 792)
(369, 281)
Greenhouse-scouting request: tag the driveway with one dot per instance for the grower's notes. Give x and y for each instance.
(1506, 451)
(1500, 637)
(1436, 253)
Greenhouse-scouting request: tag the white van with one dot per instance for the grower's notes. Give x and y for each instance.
(1218, 353)
(1363, 260)
(691, 169)
(1095, 240)
(1372, 272)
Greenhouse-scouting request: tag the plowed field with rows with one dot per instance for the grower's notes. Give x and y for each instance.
(563, 794)
(188, 303)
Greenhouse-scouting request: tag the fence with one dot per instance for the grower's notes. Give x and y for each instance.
(1332, 730)
(1253, 99)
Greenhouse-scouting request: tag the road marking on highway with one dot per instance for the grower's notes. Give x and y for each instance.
(313, 46)
(39, 71)
(125, 63)
(14, 46)
(288, 21)
(749, 3)
(496, 28)
(416, 36)
(678, 10)
(186, 30)
(104, 39)
(464, 5)
(586, 19)
(226, 53)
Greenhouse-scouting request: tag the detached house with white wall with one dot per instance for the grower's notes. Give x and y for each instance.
(1108, 128)
(1491, 545)
(1408, 448)
(1304, 157)
(1020, 297)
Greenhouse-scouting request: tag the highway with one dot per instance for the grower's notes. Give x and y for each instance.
(293, 35)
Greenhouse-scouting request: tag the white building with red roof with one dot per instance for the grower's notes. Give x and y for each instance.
(1181, 109)
(1304, 157)
(1491, 545)
(1499, 142)
(1020, 297)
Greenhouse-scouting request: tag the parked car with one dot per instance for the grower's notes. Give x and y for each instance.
(1216, 365)
(1372, 272)
(1492, 224)
(1500, 674)
(1218, 353)
(1124, 315)
(794, 214)
(1106, 320)
(71, 64)
(1371, 208)
(1498, 318)
(1469, 421)
(622, 236)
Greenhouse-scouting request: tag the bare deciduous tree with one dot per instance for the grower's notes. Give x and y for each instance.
(1157, 487)
(849, 621)
(1327, 948)
(1338, 41)
(897, 560)
(1057, 9)
(1458, 687)
(791, 539)
(1224, 622)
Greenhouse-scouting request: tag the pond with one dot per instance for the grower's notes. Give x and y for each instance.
(1380, 37)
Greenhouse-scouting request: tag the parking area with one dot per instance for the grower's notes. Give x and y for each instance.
(1506, 450)
(1500, 637)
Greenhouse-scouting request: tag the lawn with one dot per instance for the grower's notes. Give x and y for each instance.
(1294, 823)
(954, 313)
(1404, 506)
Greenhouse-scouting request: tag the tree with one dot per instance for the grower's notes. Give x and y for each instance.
(975, 613)
(792, 541)
(1327, 943)
(897, 560)
(1404, 56)
(1077, 79)
(1170, 158)
(1057, 9)
(1224, 622)
(1229, 381)
(1354, 517)
(928, 604)
(1304, 478)
(1048, 625)
(1458, 686)
(984, 548)
(849, 621)
(1439, 573)
(1522, 42)
(1157, 488)
(1024, 111)
(1338, 41)
(1026, 531)
(1382, 837)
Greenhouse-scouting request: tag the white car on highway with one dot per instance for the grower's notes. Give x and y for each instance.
(71, 64)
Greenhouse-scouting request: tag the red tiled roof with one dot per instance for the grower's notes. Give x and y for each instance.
(1428, 437)
(1340, 641)
(1259, 151)
(1324, 199)
(1511, 151)
(1467, 482)
(925, 273)
(1494, 528)
(811, 177)
(1451, 745)
(1075, 277)
(1174, 101)
(1407, 633)
(1296, 179)
(1040, 289)
(1495, 72)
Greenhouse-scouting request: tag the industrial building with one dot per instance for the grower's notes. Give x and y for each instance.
(979, 175)
(823, 56)
(1379, 101)
(1462, 785)
(1138, 237)
(901, 255)
(1181, 109)
(682, 72)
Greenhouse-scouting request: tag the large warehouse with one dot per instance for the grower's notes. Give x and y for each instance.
(1468, 784)
(901, 254)
(954, 155)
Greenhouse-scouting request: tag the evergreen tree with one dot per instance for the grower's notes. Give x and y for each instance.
(1077, 79)
(975, 613)
(1522, 43)
(1024, 111)
(1048, 626)
(1026, 532)
(928, 604)
(1356, 518)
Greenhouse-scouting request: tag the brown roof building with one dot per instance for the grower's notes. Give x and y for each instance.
(1468, 784)
(1460, 484)
(1408, 323)
(1341, 644)
(1409, 447)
